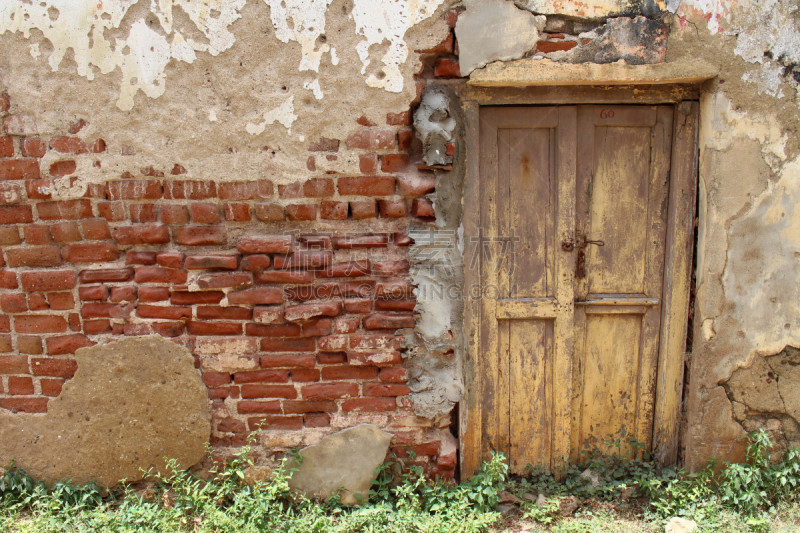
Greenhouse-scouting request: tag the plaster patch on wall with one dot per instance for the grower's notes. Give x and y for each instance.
(715, 12)
(388, 20)
(283, 114)
(302, 21)
(142, 55)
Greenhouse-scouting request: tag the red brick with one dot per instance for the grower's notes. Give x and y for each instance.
(199, 235)
(394, 289)
(372, 139)
(51, 387)
(68, 145)
(144, 212)
(316, 420)
(169, 329)
(112, 211)
(205, 213)
(346, 324)
(368, 163)
(90, 253)
(318, 188)
(265, 244)
(95, 229)
(367, 185)
(52, 367)
(315, 242)
(169, 312)
(256, 296)
(400, 119)
(375, 342)
(216, 379)
(284, 276)
(33, 147)
(394, 162)
(6, 147)
(416, 184)
(246, 190)
(5, 344)
(273, 422)
(20, 386)
(306, 406)
(274, 344)
(392, 208)
(207, 261)
(329, 391)
(394, 374)
(349, 372)
(40, 324)
(369, 404)
(237, 212)
(316, 328)
(26, 405)
(200, 297)
(268, 212)
(547, 47)
(14, 364)
(364, 209)
(324, 145)
(105, 310)
(225, 279)
(423, 208)
(386, 321)
(252, 390)
(303, 360)
(134, 190)
(19, 169)
(361, 241)
(65, 232)
(231, 425)
(28, 344)
(392, 304)
(15, 214)
(174, 214)
(306, 311)
(95, 327)
(37, 302)
(106, 275)
(169, 259)
(301, 212)
(123, 294)
(405, 137)
(141, 234)
(154, 274)
(189, 190)
(133, 257)
(214, 328)
(8, 279)
(390, 268)
(9, 235)
(13, 303)
(334, 210)
(384, 389)
(11, 192)
(302, 375)
(304, 259)
(446, 67)
(245, 407)
(98, 146)
(262, 376)
(153, 294)
(48, 280)
(66, 344)
(380, 358)
(293, 190)
(278, 330)
(152, 172)
(63, 168)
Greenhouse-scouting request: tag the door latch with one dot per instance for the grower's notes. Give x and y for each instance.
(567, 244)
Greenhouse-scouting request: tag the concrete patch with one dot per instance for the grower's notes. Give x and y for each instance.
(342, 463)
(494, 30)
(637, 41)
(131, 404)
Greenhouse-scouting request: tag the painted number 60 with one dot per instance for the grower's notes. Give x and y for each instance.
(606, 113)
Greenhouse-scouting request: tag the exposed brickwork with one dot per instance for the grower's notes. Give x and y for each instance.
(233, 267)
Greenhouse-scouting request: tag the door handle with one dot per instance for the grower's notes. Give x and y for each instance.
(583, 242)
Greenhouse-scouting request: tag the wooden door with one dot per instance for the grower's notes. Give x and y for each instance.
(574, 212)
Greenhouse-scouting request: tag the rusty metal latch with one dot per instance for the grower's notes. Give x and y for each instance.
(567, 244)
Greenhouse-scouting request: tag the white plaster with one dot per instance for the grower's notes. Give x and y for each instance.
(715, 11)
(314, 87)
(302, 21)
(379, 21)
(142, 55)
(283, 114)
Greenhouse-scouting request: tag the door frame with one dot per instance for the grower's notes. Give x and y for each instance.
(678, 256)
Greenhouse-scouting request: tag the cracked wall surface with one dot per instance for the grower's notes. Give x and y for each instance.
(244, 178)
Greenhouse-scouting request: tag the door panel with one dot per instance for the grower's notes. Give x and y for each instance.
(573, 217)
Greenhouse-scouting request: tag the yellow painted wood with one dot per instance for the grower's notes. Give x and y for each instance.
(573, 347)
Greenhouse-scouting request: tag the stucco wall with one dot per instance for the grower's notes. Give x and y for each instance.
(123, 114)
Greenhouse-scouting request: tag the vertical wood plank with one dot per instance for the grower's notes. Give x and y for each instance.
(677, 280)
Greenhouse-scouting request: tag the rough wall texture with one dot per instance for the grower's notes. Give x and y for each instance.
(243, 179)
